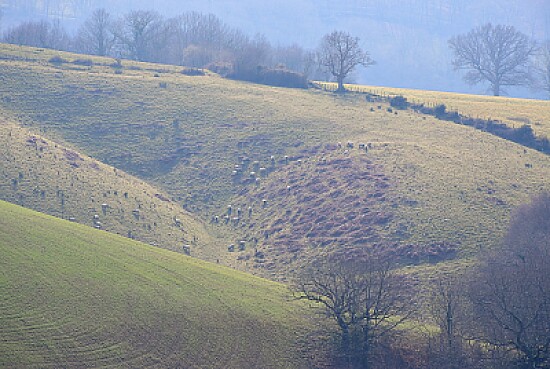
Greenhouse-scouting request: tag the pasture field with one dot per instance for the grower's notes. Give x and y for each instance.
(73, 296)
(515, 112)
(42, 175)
(424, 184)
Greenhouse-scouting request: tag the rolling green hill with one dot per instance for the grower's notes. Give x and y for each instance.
(426, 191)
(73, 296)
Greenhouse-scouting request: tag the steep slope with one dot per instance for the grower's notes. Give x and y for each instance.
(76, 297)
(51, 178)
(430, 190)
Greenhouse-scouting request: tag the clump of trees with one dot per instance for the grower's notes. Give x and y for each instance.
(497, 315)
(191, 39)
(511, 290)
(45, 34)
(197, 40)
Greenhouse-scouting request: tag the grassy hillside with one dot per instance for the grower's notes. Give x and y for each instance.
(75, 297)
(54, 179)
(424, 188)
(512, 111)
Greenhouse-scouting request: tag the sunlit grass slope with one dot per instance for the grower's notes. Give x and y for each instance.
(42, 175)
(75, 297)
(441, 182)
(512, 111)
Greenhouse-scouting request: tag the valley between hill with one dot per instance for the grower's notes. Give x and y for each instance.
(427, 191)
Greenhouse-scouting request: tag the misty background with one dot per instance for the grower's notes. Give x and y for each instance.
(407, 38)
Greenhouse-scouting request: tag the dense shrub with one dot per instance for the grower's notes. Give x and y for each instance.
(83, 62)
(117, 64)
(279, 77)
(57, 60)
(440, 111)
(193, 72)
(224, 69)
(399, 102)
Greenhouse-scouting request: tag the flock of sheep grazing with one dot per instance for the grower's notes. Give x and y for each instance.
(248, 172)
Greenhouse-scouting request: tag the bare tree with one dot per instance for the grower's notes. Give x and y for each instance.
(511, 294)
(39, 34)
(201, 39)
(136, 32)
(447, 348)
(95, 36)
(498, 54)
(542, 68)
(339, 54)
(251, 54)
(361, 297)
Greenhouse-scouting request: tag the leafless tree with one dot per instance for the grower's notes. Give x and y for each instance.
(339, 54)
(137, 31)
(95, 36)
(309, 63)
(498, 54)
(39, 34)
(361, 297)
(448, 307)
(251, 54)
(511, 295)
(204, 38)
(542, 68)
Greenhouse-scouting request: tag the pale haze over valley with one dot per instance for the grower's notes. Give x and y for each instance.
(407, 38)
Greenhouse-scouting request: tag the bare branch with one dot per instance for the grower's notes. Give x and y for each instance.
(498, 54)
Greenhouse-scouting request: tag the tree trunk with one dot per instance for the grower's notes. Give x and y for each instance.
(341, 87)
(365, 363)
(345, 340)
(496, 89)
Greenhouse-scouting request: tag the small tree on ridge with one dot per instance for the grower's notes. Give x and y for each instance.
(339, 54)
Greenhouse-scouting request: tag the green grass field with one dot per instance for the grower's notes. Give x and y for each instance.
(443, 182)
(72, 296)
